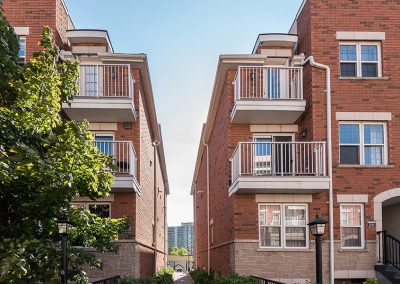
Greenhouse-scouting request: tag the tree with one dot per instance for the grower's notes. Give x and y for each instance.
(46, 161)
(179, 251)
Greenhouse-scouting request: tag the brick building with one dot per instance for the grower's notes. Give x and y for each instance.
(269, 160)
(116, 98)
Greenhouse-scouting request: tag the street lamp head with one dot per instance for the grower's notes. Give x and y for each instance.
(317, 226)
(63, 223)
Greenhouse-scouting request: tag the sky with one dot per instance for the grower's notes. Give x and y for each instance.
(183, 40)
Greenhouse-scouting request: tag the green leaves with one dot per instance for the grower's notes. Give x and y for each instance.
(45, 162)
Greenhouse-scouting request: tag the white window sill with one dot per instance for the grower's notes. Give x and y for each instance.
(367, 166)
(363, 78)
(362, 249)
(284, 250)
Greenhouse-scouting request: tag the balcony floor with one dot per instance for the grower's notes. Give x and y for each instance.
(280, 184)
(100, 109)
(125, 183)
(267, 111)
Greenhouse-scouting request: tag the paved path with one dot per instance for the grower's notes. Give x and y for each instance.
(181, 278)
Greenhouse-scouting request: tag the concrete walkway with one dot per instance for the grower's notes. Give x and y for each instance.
(182, 278)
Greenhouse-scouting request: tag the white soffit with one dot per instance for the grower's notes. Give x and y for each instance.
(371, 116)
(360, 35)
(21, 31)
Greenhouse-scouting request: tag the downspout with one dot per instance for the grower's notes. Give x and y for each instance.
(310, 60)
(165, 229)
(194, 225)
(208, 210)
(155, 144)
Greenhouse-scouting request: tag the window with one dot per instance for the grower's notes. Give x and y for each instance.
(22, 50)
(104, 143)
(362, 143)
(102, 210)
(352, 225)
(360, 60)
(283, 225)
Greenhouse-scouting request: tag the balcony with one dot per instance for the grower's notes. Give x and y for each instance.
(279, 167)
(105, 94)
(125, 164)
(268, 95)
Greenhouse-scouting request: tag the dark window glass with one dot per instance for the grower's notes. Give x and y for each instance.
(348, 53)
(349, 134)
(369, 69)
(349, 155)
(348, 70)
(101, 210)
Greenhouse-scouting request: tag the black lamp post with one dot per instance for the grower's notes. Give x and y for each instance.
(63, 226)
(317, 229)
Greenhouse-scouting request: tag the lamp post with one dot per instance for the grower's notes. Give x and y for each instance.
(63, 226)
(317, 229)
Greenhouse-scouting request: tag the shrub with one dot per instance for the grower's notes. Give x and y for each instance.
(165, 270)
(200, 276)
(163, 277)
(371, 281)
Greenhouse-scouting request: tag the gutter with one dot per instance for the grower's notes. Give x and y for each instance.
(208, 210)
(155, 145)
(327, 69)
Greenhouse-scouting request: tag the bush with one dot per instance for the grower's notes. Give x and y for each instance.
(164, 276)
(201, 277)
(165, 270)
(371, 281)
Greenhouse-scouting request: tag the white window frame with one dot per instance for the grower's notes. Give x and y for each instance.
(359, 61)
(282, 226)
(361, 145)
(362, 233)
(87, 204)
(22, 37)
(105, 133)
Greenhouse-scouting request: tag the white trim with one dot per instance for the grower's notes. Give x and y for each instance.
(358, 116)
(21, 31)
(277, 128)
(359, 61)
(283, 198)
(360, 35)
(283, 226)
(87, 204)
(362, 226)
(361, 145)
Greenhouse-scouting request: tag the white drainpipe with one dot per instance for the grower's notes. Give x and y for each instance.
(208, 210)
(310, 60)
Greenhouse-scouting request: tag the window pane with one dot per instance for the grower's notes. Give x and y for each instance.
(348, 70)
(273, 83)
(295, 236)
(349, 155)
(369, 69)
(373, 134)
(262, 218)
(348, 53)
(373, 155)
(270, 236)
(101, 210)
(349, 134)
(263, 149)
(350, 215)
(273, 215)
(369, 53)
(295, 215)
(103, 144)
(351, 237)
(22, 47)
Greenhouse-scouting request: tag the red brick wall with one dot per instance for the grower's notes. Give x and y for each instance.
(374, 95)
(35, 15)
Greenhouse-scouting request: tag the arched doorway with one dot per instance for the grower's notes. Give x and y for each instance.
(387, 212)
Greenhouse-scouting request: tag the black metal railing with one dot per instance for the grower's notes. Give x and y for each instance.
(388, 249)
(266, 281)
(111, 280)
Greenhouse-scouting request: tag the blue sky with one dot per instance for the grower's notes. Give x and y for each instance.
(183, 39)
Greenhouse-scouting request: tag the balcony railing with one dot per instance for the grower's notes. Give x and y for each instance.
(124, 155)
(268, 83)
(279, 159)
(109, 80)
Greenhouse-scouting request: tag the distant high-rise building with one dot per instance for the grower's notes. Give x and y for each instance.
(181, 236)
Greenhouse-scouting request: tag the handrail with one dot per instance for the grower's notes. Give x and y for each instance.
(106, 80)
(279, 159)
(268, 83)
(388, 249)
(110, 280)
(266, 281)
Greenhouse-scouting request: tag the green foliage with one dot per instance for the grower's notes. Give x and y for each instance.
(200, 276)
(371, 281)
(165, 270)
(45, 162)
(179, 251)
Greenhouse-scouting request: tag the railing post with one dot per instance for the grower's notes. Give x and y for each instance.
(384, 247)
(240, 159)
